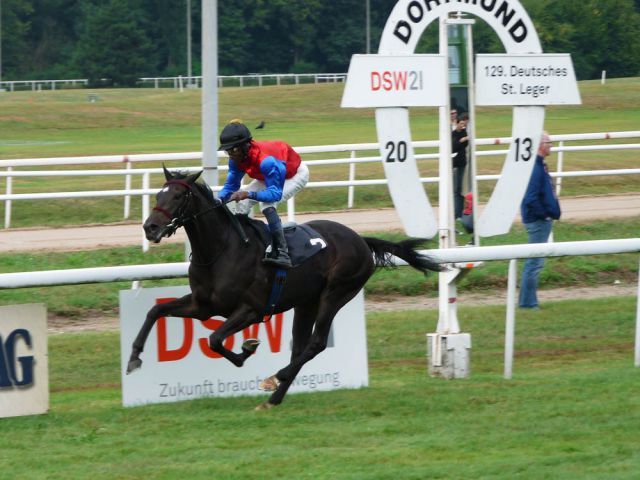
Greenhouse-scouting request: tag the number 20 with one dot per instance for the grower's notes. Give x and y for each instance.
(400, 151)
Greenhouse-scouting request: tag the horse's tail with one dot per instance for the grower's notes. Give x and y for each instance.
(383, 251)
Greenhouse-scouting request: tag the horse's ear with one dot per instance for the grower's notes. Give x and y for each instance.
(167, 173)
(192, 178)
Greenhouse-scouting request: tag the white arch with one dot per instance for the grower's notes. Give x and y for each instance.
(404, 27)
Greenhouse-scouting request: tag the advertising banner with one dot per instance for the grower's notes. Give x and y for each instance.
(177, 363)
(24, 366)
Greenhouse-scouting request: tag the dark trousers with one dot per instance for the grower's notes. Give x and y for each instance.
(458, 197)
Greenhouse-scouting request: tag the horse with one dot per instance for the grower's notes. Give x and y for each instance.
(227, 276)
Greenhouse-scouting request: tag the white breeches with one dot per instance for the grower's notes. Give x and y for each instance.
(291, 186)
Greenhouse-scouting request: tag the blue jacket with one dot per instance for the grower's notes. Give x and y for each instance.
(540, 201)
(274, 172)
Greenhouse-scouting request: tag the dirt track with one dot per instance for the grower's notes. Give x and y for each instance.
(576, 209)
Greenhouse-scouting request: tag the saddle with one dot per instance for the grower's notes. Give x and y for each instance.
(302, 240)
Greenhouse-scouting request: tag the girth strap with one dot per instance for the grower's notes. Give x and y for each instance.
(279, 280)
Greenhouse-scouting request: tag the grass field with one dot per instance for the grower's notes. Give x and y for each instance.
(60, 123)
(570, 412)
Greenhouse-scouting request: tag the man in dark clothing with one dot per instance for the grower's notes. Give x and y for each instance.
(539, 208)
(459, 142)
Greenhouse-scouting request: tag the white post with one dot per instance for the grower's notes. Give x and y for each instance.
(127, 187)
(7, 203)
(471, 130)
(510, 324)
(637, 347)
(145, 209)
(291, 209)
(352, 177)
(559, 169)
(210, 92)
(447, 322)
(181, 84)
(604, 76)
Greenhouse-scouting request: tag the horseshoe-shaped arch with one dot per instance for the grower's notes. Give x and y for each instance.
(405, 25)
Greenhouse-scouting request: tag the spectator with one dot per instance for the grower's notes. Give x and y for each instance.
(467, 213)
(454, 118)
(539, 208)
(459, 142)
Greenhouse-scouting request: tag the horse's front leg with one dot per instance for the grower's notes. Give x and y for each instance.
(181, 307)
(240, 319)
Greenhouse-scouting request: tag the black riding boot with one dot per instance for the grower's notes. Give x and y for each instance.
(279, 256)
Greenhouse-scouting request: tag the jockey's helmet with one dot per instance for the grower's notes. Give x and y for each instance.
(233, 135)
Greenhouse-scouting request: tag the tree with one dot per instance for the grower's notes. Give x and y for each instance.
(16, 16)
(114, 44)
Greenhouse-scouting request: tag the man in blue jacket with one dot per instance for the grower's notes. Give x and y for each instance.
(539, 209)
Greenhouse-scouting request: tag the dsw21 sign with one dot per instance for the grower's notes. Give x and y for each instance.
(179, 365)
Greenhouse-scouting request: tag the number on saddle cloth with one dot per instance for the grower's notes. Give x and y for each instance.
(302, 240)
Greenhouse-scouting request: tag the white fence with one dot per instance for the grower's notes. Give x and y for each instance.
(350, 183)
(250, 80)
(37, 85)
(450, 255)
(254, 79)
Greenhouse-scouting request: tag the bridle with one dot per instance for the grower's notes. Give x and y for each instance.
(175, 222)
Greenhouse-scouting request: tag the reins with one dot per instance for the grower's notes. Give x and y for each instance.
(180, 220)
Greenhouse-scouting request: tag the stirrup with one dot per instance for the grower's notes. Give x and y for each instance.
(279, 261)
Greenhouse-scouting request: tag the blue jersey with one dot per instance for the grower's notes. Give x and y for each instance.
(274, 172)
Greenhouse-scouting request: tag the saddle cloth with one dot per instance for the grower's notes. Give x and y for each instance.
(302, 240)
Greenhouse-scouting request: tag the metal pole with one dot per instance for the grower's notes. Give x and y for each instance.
(510, 325)
(368, 26)
(637, 345)
(0, 42)
(210, 91)
(471, 130)
(189, 72)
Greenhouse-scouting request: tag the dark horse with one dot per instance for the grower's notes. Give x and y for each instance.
(228, 278)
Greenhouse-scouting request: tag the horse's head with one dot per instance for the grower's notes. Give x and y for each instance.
(174, 204)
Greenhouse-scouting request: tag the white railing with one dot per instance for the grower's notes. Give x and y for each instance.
(37, 85)
(450, 255)
(253, 80)
(128, 160)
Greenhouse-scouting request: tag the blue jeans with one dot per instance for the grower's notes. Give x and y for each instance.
(538, 232)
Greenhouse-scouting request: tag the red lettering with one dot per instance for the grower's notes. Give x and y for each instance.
(273, 329)
(400, 79)
(386, 80)
(375, 81)
(164, 354)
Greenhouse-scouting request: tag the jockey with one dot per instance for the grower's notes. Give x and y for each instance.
(277, 173)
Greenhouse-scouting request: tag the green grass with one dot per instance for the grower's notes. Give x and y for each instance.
(569, 412)
(128, 121)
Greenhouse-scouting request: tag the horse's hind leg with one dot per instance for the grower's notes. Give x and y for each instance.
(329, 305)
(301, 332)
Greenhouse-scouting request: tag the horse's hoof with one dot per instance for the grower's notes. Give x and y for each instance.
(270, 384)
(250, 345)
(264, 406)
(134, 365)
